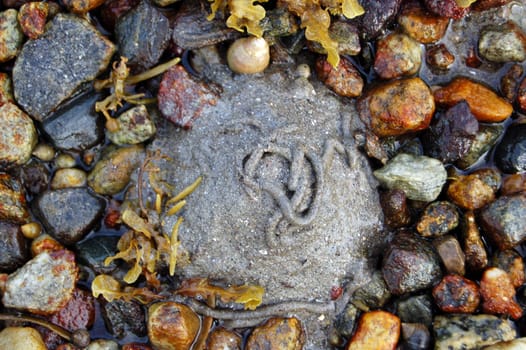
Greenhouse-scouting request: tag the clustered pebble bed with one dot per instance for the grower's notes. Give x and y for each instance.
(439, 88)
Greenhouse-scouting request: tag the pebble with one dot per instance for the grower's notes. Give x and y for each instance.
(82, 7)
(35, 177)
(410, 264)
(345, 34)
(135, 126)
(421, 25)
(347, 320)
(513, 183)
(416, 309)
(502, 221)
(378, 15)
(44, 152)
(476, 255)
(93, 251)
(136, 346)
(376, 329)
(510, 81)
(437, 219)
(83, 48)
(446, 8)
(374, 295)
(69, 214)
(172, 326)
(45, 243)
(482, 5)
(486, 137)
(69, 177)
(103, 344)
(14, 206)
(439, 57)
(521, 95)
(18, 137)
(397, 55)
(502, 43)
(510, 154)
(511, 262)
(6, 89)
(397, 107)
(470, 192)
(65, 161)
(420, 177)
(112, 173)
(345, 80)
(32, 18)
(76, 126)
(48, 293)
(142, 35)
(483, 102)
(516, 344)
(124, 317)
(11, 37)
(415, 336)
(458, 332)
(450, 135)
(223, 339)
(277, 333)
(394, 206)
(449, 250)
(21, 338)
(457, 294)
(13, 247)
(498, 294)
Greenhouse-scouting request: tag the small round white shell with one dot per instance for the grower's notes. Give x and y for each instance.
(248, 55)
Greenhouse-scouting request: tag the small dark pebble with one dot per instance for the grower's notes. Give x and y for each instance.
(510, 81)
(415, 309)
(396, 211)
(510, 154)
(415, 336)
(453, 258)
(13, 247)
(446, 8)
(378, 14)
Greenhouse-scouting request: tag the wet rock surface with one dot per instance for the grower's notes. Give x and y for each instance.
(71, 53)
(13, 247)
(510, 154)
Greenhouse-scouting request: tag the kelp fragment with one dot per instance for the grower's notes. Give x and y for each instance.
(464, 3)
(250, 296)
(243, 15)
(110, 289)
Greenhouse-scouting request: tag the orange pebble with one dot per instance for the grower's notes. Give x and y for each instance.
(378, 330)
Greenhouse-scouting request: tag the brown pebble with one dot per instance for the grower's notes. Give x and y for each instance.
(438, 56)
(511, 262)
(397, 55)
(514, 183)
(223, 339)
(456, 294)
(437, 219)
(397, 107)
(453, 258)
(32, 17)
(509, 83)
(470, 192)
(498, 294)
(345, 80)
(277, 333)
(484, 103)
(45, 243)
(420, 24)
(82, 6)
(476, 255)
(396, 211)
(376, 330)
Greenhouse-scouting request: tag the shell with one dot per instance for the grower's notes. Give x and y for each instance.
(248, 55)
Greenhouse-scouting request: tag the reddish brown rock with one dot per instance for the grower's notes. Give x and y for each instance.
(345, 80)
(449, 250)
(32, 18)
(513, 184)
(482, 5)
(446, 8)
(476, 255)
(498, 294)
(485, 105)
(397, 55)
(376, 330)
(456, 294)
(277, 333)
(394, 206)
(221, 339)
(421, 25)
(438, 56)
(511, 262)
(397, 107)
(510, 81)
(82, 6)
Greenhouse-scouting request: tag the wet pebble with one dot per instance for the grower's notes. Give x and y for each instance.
(415, 336)
(21, 338)
(136, 346)
(45, 243)
(437, 219)
(498, 294)
(470, 192)
(394, 206)
(13, 247)
(375, 328)
(135, 126)
(123, 317)
(421, 25)
(397, 55)
(31, 230)
(457, 332)
(482, 5)
(93, 251)
(14, 206)
(420, 177)
(68, 177)
(486, 137)
(65, 161)
(483, 102)
(6, 89)
(83, 48)
(172, 326)
(410, 264)
(415, 309)
(32, 17)
(439, 57)
(374, 295)
(345, 80)
(502, 43)
(68, 214)
(103, 344)
(345, 34)
(112, 10)
(510, 154)
(76, 126)
(378, 14)
(502, 221)
(456, 294)
(18, 136)
(397, 107)
(450, 135)
(112, 173)
(47, 294)
(11, 37)
(223, 339)
(82, 7)
(142, 36)
(510, 81)
(513, 184)
(511, 262)
(446, 8)
(451, 254)
(35, 177)
(277, 333)
(516, 344)
(471, 241)
(346, 320)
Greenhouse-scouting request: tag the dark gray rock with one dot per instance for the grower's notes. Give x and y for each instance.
(416, 309)
(486, 137)
(410, 264)
(415, 336)
(374, 294)
(142, 36)
(503, 220)
(378, 14)
(503, 43)
(451, 254)
(123, 317)
(13, 247)
(93, 251)
(76, 127)
(53, 67)
(346, 321)
(68, 214)
(510, 154)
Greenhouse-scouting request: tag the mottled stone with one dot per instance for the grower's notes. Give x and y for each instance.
(32, 17)
(446, 8)
(421, 25)
(511, 262)
(345, 80)
(345, 34)
(35, 177)
(510, 81)
(374, 328)
(378, 14)
(486, 137)
(68, 177)
(123, 317)
(11, 37)
(13, 247)
(513, 183)
(415, 336)
(18, 136)
(69, 214)
(51, 68)
(470, 192)
(346, 321)
(223, 339)
(503, 43)
(449, 250)
(456, 294)
(510, 154)
(397, 55)
(498, 294)
(439, 57)
(416, 309)
(471, 241)
(277, 333)
(13, 205)
(437, 219)
(516, 344)
(374, 295)
(135, 126)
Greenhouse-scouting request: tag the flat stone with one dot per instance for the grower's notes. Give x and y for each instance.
(51, 68)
